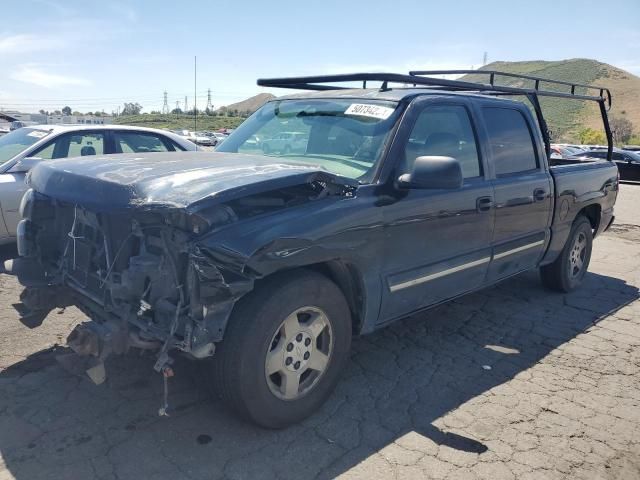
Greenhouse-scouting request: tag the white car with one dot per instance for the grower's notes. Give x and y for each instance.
(25, 147)
(285, 143)
(196, 137)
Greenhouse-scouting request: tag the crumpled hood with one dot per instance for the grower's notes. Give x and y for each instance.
(177, 179)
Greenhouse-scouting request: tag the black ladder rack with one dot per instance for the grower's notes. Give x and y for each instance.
(604, 94)
(420, 78)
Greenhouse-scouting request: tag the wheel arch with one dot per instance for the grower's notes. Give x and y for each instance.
(348, 279)
(593, 213)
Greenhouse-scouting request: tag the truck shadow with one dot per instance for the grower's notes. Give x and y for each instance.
(400, 384)
(7, 252)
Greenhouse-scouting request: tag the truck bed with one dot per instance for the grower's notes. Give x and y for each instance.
(589, 186)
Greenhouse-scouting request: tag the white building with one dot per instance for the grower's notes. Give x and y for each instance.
(40, 118)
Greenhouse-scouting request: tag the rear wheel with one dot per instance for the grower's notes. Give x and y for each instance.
(285, 346)
(568, 270)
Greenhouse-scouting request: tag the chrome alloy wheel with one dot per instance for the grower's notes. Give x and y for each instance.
(299, 353)
(577, 255)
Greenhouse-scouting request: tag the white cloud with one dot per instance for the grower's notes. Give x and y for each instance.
(34, 74)
(25, 43)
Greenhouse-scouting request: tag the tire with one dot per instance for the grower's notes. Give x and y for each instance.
(262, 327)
(568, 270)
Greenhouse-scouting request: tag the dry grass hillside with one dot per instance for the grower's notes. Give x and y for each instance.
(249, 105)
(567, 117)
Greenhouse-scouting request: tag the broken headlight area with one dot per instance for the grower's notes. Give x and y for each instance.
(137, 275)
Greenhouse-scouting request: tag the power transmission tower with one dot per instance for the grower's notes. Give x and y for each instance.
(165, 106)
(185, 104)
(209, 104)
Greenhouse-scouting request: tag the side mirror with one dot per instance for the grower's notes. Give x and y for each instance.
(25, 164)
(433, 172)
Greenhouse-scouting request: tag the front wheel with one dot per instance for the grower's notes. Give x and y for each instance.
(284, 349)
(568, 270)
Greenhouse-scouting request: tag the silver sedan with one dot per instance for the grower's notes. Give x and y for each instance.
(23, 148)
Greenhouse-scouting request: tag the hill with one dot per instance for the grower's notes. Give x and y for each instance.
(178, 122)
(249, 105)
(229, 116)
(567, 117)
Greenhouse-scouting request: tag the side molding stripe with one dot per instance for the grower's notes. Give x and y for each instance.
(519, 249)
(442, 273)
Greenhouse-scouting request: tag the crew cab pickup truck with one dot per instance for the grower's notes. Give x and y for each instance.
(267, 265)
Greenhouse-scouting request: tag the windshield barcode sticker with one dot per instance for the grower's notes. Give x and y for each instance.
(373, 111)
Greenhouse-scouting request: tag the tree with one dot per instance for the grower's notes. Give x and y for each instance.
(622, 129)
(589, 136)
(43, 112)
(131, 109)
(176, 111)
(66, 110)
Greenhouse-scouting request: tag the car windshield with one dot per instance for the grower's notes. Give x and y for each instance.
(18, 141)
(343, 136)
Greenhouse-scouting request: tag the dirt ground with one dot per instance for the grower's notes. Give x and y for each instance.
(513, 382)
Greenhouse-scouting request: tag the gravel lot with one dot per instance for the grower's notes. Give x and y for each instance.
(513, 382)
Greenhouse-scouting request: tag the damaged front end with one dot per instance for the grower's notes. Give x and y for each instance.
(150, 276)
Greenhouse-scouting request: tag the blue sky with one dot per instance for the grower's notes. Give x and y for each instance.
(94, 55)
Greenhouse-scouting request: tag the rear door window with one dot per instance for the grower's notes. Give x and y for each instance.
(140, 142)
(511, 141)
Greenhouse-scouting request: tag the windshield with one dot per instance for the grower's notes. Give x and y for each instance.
(345, 137)
(18, 141)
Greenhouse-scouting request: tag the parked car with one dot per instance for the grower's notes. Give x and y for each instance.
(23, 148)
(565, 151)
(285, 143)
(632, 148)
(628, 162)
(206, 138)
(402, 198)
(221, 137)
(197, 138)
(16, 124)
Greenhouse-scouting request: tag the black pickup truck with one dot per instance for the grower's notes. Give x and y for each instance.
(392, 201)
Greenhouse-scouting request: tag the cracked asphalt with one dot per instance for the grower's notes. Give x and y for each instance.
(513, 382)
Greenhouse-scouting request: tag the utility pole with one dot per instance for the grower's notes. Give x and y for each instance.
(177, 107)
(185, 105)
(165, 106)
(484, 59)
(209, 104)
(195, 93)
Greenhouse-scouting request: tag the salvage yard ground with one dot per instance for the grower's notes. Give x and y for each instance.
(513, 382)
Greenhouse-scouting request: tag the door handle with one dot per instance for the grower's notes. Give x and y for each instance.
(484, 204)
(539, 194)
